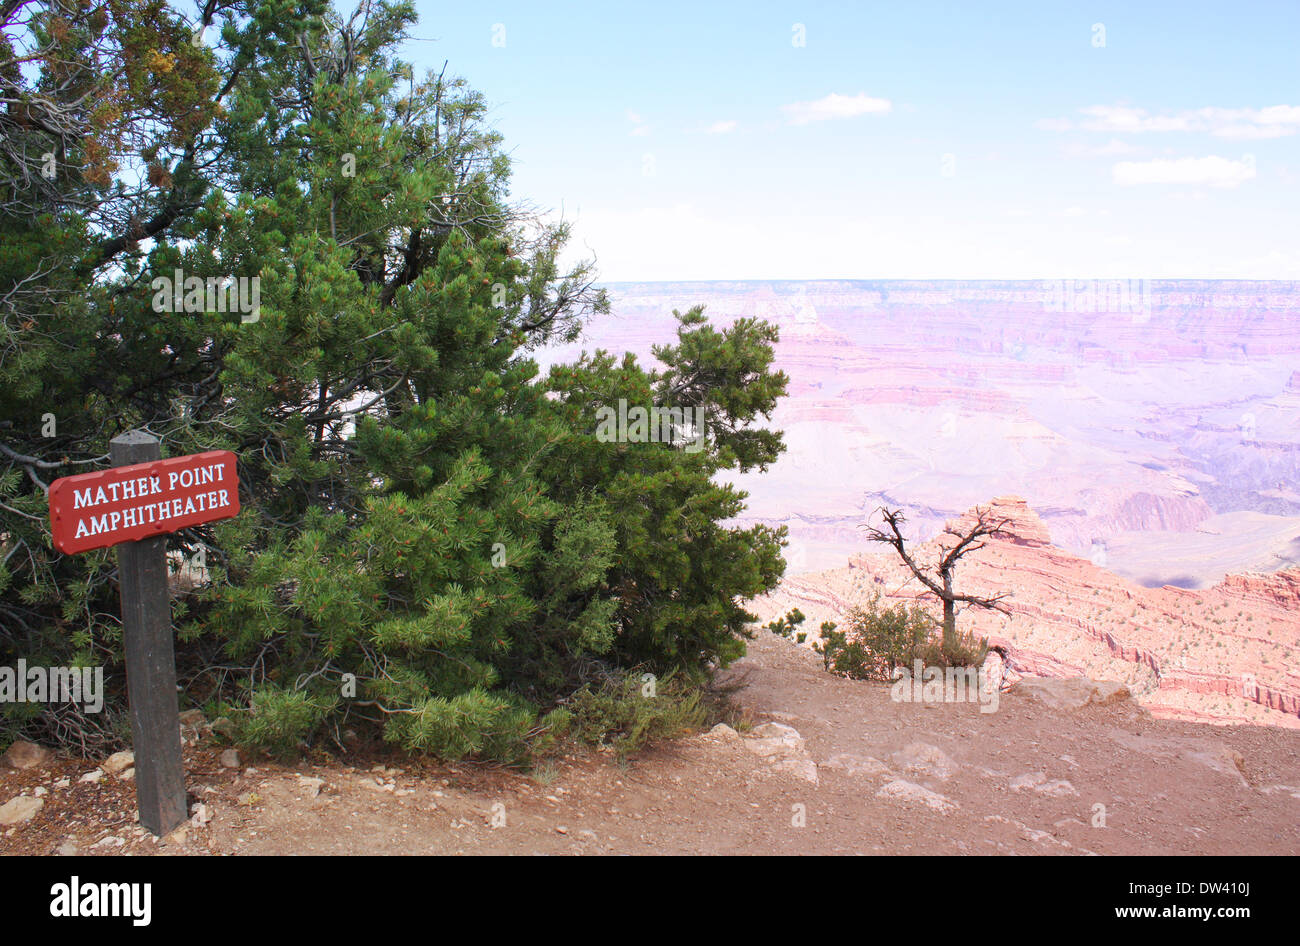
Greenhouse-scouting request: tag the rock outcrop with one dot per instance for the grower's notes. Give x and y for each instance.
(1070, 693)
(925, 760)
(782, 747)
(27, 755)
(1229, 653)
(19, 810)
(1022, 526)
(118, 762)
(909, 793)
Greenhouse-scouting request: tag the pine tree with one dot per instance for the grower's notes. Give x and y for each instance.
(435, 543)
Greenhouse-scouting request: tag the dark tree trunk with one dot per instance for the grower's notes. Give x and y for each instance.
(949, 615)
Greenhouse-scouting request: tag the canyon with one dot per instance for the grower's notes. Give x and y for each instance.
(1145, 445)
(1160, 439)
(1227, 654)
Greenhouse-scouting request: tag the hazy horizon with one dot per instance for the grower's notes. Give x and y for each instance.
(1156, 431)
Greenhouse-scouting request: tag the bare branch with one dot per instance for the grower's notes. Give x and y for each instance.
(939, 578)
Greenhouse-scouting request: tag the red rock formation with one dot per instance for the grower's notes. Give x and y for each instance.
(1230, 653)
(1114, 413)
(1021, 525)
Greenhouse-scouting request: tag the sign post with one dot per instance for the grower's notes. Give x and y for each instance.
(150, 662)
(133, 506)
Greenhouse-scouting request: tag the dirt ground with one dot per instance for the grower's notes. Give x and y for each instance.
(890, 778)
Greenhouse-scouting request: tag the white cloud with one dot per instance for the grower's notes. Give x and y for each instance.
(835, 106)
(1075, 212)
(640, 129)
(1275, 121)
(1279, 115)
(1124, 119)
(686, 241)
(1213, 171)
(722, 128)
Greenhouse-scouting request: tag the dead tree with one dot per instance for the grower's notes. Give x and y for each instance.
(938, 578)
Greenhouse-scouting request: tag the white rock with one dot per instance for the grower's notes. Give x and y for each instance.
(1037, 782)
(1070, 693)
(804, 768)
(229, 759)
(856, 765)
(773, 739)
(1291, 790)
(783, 747)
(313, 785)
(21, 809)
(1058, 787)
(118, 762)
(723, 731)
(773, 736)
(921, 758)
(27, 755)
(93, 776)
(911, 793)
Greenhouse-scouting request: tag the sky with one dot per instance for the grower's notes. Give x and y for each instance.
(903, 140)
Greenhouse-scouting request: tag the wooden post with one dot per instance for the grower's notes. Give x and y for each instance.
(150, 662)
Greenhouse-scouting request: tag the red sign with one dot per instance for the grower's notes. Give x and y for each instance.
(129, 503)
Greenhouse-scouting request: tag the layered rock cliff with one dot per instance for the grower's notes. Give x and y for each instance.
(1119, 409)
(1229, 653)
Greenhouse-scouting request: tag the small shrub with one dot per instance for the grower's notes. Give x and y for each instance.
(785, 626)
(278, 720)
(876, 640)
(967, 651)
(619, 714)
